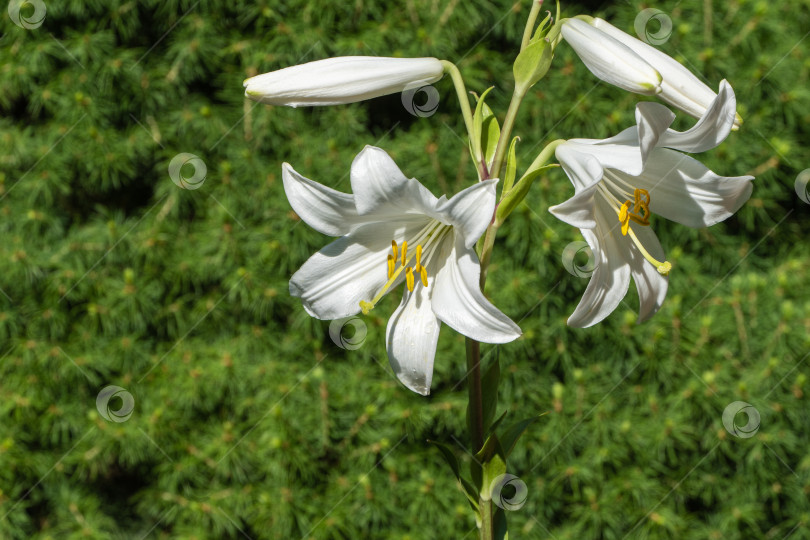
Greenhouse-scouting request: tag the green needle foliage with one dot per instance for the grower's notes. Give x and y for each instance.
(248, 420)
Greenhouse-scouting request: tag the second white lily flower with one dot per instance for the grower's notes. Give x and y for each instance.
(393, 231)
(622, 181)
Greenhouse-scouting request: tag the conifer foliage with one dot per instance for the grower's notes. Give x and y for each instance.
(158, 381)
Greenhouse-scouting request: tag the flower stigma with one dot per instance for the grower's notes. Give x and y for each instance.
(430, 236)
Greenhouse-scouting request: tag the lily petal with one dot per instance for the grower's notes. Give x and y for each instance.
(470, 211)
(411, 338)
(334, 280)
(327, 211)
(379, 186)
(684, 190)
(578, 210)
(611, 278)
(457, 299)
(712, 128)
(582, 169)
(610, 156)
(650, 284)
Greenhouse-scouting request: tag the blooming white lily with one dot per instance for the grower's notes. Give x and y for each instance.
(393, 230)
(345, 79)
(622, 60)
(620, 182)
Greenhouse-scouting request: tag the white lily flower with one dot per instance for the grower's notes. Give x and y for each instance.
(345, 79)
(610, 60)
(393, 230)
(620, 182)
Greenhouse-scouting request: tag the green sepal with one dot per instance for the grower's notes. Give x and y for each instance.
(511, 166)
(542, 30)
(512, 434)
(531, 65)
(516, 195)
(450, 458)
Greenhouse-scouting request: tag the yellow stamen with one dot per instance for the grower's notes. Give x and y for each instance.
(409, 278)
(423, 274)
(419, 256)
(391, 265)
(663, 267)
(404, 253)
(394, 248)
(640, 213)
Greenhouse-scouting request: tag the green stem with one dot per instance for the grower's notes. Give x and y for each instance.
(527, 33)
(487, 528)
(506, 133)
(464, 101)
(545, 155)
(475, 393)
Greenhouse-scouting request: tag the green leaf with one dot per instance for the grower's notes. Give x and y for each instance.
(531, 65)
(489, 137)
(496, 423)
(511, 166)
(469, 490)
(510, 436)
(516, 195)
(478, 124)
(489, 390)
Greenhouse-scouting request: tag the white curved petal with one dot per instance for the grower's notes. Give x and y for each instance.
(458, 301)
(609, 59)
(623, 157)
(582, 169)
(327, 211)
(651, 285)
(680, 88)
(684, 190)
(379, 186)
(411, 338)
(578, 210)
(712, 128)
(470, 211)
(611, 278)
(652, 121)
(334, 280)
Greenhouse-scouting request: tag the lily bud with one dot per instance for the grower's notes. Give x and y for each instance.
(344, 79)
(680, 87)
(610, 60)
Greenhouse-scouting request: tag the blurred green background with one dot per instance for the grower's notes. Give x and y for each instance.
(248, 420)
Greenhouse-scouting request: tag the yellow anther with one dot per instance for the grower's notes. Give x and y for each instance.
(394, 248)
(404, 253)
(418, 256)
(624, 218)
(640, 213)
(391, 265)
(423, 274)
(409, 278)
